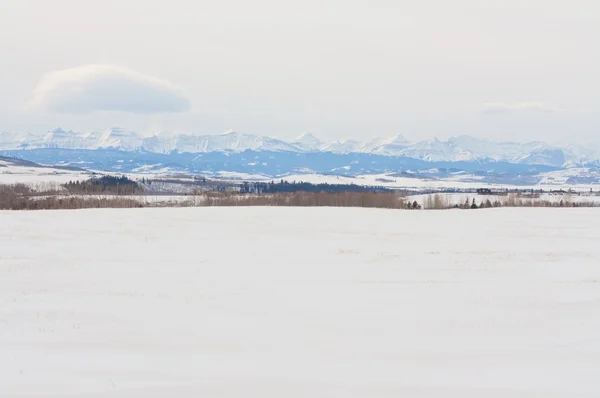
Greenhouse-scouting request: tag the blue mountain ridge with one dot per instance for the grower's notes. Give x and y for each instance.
(275, 164)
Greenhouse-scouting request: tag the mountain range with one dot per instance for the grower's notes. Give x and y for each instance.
(462, 158)
(456, 149)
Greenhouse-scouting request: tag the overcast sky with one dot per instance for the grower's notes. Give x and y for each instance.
(510, 69)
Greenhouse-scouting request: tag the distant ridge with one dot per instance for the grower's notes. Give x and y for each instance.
(455, 149)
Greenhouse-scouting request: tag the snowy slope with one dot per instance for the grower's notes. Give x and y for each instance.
(14, 171)
(292, 302)
(14, 140)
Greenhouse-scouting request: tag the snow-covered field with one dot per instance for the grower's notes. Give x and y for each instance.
(38, 176)
(550, 181)
(300, 302)
(451, 199)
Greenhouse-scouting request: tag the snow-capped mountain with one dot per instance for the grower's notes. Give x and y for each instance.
(13, 140)
(308, 142)
(456, 149)
(227, 142)
(385, 146)
(67, 139)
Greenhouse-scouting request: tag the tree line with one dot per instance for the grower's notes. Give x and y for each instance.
(104, 185)
(293, 187)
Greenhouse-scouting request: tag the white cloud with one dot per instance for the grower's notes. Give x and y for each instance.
(94, 88)
(503, 107)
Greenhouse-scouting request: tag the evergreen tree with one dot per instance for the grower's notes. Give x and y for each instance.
(473, 205)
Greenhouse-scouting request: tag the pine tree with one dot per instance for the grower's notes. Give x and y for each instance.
(473, 205)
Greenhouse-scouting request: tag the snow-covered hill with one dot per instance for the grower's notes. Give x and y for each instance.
(14, 171)
(456, 149)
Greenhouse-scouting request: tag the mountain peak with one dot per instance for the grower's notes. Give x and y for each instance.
(306, 135)
(229, 132)
(398, 139)
(307, 138)
(307, 141)
(58, 132)
(116, 129)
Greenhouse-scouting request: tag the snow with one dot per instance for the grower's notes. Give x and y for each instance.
(10, 174)
(232, 175)
(299, 302)
(388, 181)
(227, 142)
(561, 177)
(42, 177)
(385, 146)
(307, 142)
(452, 199)
(59, 138)
(461, 148)
(457, 181)
(31, 175)
(181, 199)
(321, 179)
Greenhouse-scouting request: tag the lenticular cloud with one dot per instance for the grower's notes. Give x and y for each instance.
(94, 88)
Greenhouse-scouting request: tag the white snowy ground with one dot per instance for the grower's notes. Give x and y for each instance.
(38, 176)
(551, 181)
(452, 199)
(300, 302)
